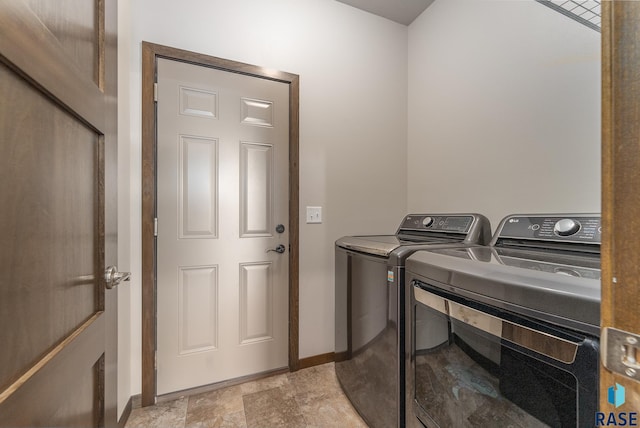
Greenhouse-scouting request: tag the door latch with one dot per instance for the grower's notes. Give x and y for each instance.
(279, 249)
(621, 351)
(112, 277)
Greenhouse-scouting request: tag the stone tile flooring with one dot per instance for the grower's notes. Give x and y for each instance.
(307, 398)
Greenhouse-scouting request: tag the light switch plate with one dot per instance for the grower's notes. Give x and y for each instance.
(314, 214)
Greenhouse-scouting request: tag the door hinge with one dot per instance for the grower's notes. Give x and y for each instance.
(155, 92)
(620, 352)
(155, 226)
(155, 360)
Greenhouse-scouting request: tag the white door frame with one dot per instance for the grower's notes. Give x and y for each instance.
(150, 53)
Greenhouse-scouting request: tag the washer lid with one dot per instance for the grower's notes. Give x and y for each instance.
(383, 245)
(378, 245)
(423, 229)
(564, 290)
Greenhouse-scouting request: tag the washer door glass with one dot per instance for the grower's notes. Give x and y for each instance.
(467, 376)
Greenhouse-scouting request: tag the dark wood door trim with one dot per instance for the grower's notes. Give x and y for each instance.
(620, 181)
(150, 53)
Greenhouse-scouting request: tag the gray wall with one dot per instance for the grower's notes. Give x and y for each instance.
(504, 110)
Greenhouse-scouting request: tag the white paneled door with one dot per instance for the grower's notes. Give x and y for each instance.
(223, 174)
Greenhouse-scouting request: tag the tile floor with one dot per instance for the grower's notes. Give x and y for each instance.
(307, 398)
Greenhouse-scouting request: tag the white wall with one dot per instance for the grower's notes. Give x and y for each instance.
(353, 110)
(124, 207)
(504, 110)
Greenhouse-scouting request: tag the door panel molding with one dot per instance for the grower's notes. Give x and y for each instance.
(258, 159)
(198, 217)
(150, 54)
(66, 360)
(22, 31)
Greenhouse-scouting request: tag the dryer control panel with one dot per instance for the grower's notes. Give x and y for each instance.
(570, 228)
(437, 223)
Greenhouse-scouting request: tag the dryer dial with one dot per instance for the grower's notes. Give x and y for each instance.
(427, 221)
(566, 227)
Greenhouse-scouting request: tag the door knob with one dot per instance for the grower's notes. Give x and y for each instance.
(279, 249)
(112, 277)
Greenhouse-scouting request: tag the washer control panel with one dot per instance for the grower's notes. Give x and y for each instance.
(560, 228)
(570, 268)
(437, 223)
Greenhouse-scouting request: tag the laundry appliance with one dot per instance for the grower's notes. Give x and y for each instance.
(369, 324)
(512, 328)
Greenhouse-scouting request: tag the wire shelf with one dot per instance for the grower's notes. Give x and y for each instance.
(586, 12)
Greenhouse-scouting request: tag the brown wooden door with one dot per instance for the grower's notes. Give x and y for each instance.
(57, 212)
(620, 188)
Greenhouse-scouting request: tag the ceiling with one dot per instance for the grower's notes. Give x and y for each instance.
(400, 11)
(586, 12)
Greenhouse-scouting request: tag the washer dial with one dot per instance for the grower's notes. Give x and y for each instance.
(566, 227)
